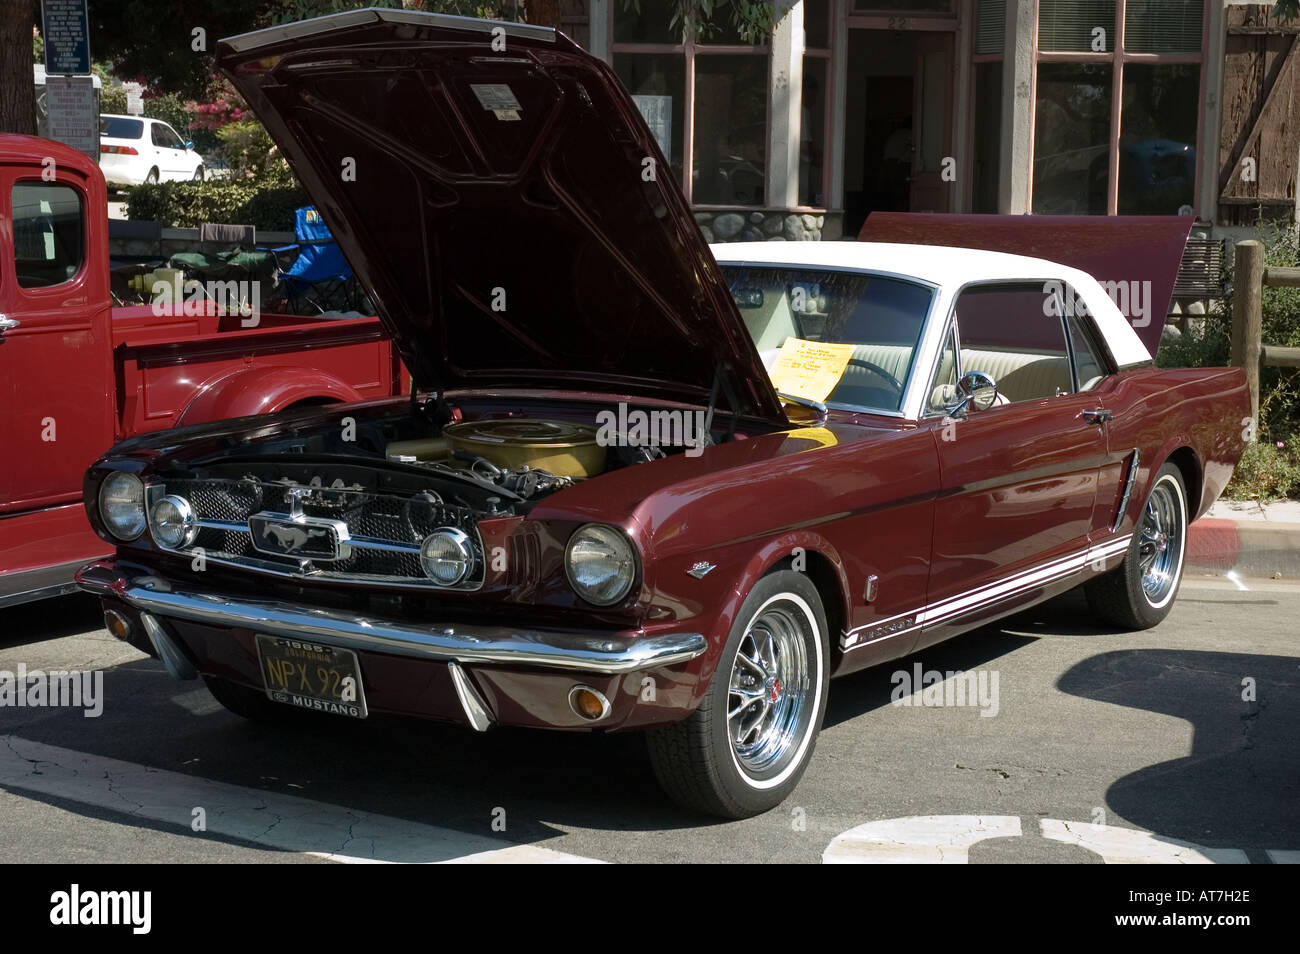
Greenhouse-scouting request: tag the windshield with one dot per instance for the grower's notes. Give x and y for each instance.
(845, 338)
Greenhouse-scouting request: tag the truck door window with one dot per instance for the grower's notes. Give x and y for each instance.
(49, 233)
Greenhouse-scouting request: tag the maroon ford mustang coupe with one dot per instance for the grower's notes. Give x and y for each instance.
(638, 488)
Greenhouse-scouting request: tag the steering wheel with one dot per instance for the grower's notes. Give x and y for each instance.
(880, 372)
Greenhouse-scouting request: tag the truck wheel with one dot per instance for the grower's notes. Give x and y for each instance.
(251, 703)
(1140, 592)
(747, 745)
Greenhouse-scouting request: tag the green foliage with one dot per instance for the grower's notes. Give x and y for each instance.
(251, 154)
(190, 204)
(753, 20)
(38, 47)
(1287, 9)
(1266, 472)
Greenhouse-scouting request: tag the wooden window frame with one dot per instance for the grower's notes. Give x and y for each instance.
(689, 49)
(1118, 59)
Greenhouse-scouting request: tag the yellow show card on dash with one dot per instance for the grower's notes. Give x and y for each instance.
(810, 369)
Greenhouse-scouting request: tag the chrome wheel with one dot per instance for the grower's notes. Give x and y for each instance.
(1160, 542)
(769, 688)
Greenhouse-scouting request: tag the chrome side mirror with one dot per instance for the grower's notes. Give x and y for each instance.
(975, 389)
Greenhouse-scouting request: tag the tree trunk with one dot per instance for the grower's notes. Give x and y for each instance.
(17, 90)
(544, 13)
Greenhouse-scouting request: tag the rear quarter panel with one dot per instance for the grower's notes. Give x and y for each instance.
(1162, 410)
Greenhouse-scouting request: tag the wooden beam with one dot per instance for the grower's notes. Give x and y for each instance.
(1248, 316)
(1282, 277)
(1277, 357)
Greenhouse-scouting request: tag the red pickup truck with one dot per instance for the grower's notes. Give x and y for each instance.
(77, 374)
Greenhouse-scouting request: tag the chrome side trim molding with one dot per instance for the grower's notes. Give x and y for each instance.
(607, 654)
(475, 709)
(965, 604)
(1128, 490)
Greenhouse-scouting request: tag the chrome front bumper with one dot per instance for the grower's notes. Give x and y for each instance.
(465, 644)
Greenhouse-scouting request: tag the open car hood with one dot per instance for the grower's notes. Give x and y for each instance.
(1133, 249)
(507, 210)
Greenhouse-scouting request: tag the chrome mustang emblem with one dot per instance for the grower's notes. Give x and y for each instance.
(284, 535)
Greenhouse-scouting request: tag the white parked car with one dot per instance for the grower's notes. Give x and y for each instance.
(136, 149)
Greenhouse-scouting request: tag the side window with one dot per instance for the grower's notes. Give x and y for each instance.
(1089, 365)
(1013, 333)
(159, 134)
(49, 233)
(943, 388)
(170, 139)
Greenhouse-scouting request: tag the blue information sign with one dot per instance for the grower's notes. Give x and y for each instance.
(67, 37)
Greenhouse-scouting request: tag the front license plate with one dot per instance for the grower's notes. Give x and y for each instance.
(311, 675)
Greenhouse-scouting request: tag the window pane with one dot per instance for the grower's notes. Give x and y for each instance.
(1072, 138)
(1163, 26)
(1006, 332)
(652, 24)
(1157, 146)
(988, 136)
(990, 26)
(1089, 367)
(657, 82)
(817, 24)
(1068, 25)
(943, 388)
(49, 233)
(730, 130)
(812, 132)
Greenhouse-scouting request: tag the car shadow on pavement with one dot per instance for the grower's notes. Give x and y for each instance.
(1239, 784)
(417, 771)
(43, 620)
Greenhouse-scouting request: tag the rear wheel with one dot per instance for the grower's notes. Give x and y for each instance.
(152, 177)
(198, 174)
(1140, 592)
(747, 745)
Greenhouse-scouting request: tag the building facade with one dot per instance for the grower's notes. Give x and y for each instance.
(1105, 107)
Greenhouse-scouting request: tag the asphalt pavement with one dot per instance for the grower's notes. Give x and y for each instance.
(1172, 745)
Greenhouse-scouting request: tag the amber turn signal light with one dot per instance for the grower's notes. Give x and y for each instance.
(588, 703)
(117, 624)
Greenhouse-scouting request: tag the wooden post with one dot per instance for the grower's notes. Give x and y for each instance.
(1248, 318)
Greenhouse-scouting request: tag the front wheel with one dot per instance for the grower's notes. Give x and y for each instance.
(1140, 592)
(747, 745)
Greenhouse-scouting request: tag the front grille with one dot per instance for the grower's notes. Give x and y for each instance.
(385, 531)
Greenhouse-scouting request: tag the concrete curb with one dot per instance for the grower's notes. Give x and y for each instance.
(1248, 548)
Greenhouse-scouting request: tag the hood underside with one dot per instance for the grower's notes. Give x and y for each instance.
(504, 204)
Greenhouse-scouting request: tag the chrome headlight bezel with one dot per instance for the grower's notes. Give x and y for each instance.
(113, 484)
(464, 546)
(624, 554)
(184, 516)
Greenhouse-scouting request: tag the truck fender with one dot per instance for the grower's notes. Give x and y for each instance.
(263, 391)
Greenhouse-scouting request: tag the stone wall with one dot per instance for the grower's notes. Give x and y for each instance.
(769, 225)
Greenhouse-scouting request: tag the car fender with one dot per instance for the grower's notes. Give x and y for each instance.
(263, 391)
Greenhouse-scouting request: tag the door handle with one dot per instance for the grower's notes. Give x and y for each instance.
(1096, 415)
(8, 324)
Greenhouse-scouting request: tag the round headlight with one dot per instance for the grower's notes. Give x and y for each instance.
(121, 505)
(446, 556)
(600, 563)
(172, 523)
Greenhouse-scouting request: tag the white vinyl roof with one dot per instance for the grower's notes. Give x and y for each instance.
(948, 268)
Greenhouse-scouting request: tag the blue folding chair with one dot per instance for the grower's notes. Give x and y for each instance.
(319, 276)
